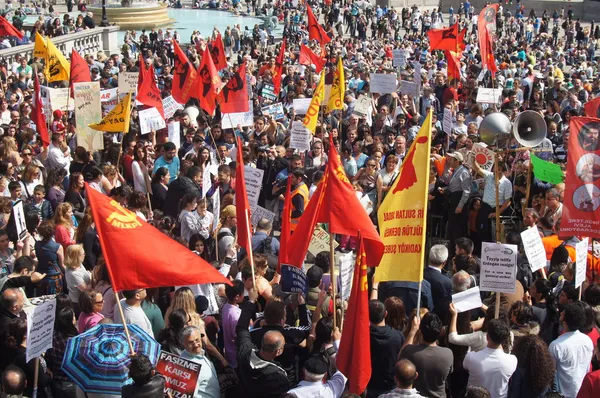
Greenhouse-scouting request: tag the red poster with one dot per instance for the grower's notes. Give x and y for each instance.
(181, 374)
(582, 192)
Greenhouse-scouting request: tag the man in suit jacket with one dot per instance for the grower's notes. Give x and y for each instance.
(441, 284)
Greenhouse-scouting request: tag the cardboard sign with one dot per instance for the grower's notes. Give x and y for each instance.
(259, 213)
(300, 136)
(170, 106)
(150, 119)
(181, 375)
(174, 131)
(399, 57)
(268, 92)
(467, 300)
(498, 267)
(382, 83)
(346, 262)
(293, 280)
(275, 111)
(244, 119)
(301, 105)
(254, 179)
(56, 98)
(534, 248)
(88, 110)
(408, 88)
(482, 155)
(19, 215)
(489, 95)
(447, 122)
(581, 250)
(320, 242)
(361, 108)
(418, 74)
(128, 82)
(40, 328)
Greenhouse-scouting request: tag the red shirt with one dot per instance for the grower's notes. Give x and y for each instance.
(590, 386)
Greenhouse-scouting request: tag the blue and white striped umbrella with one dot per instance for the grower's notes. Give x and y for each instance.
(98, 360)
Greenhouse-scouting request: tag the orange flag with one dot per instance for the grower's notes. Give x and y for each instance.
(148, 92)
(285, 225)
(453, 64)
(279, 68)
(242, 206)
(308, 57)
(234, 95)
(184, 76)
(209, 83)
(443, 39)
(315, 30)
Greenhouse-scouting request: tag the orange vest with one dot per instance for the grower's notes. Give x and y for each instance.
(301, 190)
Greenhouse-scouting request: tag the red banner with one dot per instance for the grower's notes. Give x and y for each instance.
(582, 191)
(181, 375)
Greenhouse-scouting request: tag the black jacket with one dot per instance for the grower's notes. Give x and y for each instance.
(177, 189)
(153, 389)
(259, 378)
(385, 347)
(441, 291)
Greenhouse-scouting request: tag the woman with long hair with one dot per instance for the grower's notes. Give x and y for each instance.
(64, 329)
(323, 344)
(9, 151)
(30, 178)
(141, 177)
(545, 308)
(169, 336)
(101, 282)
(204, 158)
(199, 245)
(184, 299)
(91, 304)
(86, 236)
(535, 369)
(74, 195)
(138, 203)
(78, 279)
(187, 215)
(371, 182)
(160, 182)
(63, 222)
(396, 313)
(50, 255)
(55, 192)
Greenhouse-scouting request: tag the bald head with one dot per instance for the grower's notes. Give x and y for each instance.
(406, 374)
(12, 300)
(272, 341)
(13, 381)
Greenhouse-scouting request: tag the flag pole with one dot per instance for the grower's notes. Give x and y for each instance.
(528, 188)
(124, 323)
(498, 227)
(333, 277)
(250, 255)
(36, 364)
(418, 314)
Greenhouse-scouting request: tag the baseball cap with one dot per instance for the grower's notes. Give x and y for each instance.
(456, 155)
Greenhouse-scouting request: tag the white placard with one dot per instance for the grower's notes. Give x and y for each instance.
(244, 119)
(56, 98)
(399, 57)
(467, 300)
(275, 111)
(534, 248)
(361, 107)
(408, 88)
(300, 136)
(489, 95)
(581, 251)
(498, 267)
(108, 99)
(481, 75)
(174, 131)
(447, 123)
(383, 83)
(19, 216)
(346, 262)
(170, 106)
(40, 328)
(207, 182)
(254, 179)
(128, 82)
(482, 155)
(150, 119)
(259, 213)
(418, 74)
(301, 105)
(320, 241)
(88, 110)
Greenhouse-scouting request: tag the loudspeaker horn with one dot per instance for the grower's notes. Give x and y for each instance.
(495, 129)
(529, 129)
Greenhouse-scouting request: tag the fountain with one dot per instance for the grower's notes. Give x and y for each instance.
(132, 14)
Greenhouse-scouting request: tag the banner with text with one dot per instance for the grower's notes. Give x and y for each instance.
(88, 110)
(498, 267)
(181, 375)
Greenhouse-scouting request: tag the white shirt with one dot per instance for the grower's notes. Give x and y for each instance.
(134, 315)
(490, 368)
(333, 388)
(572, 353)
(57, 158)
(489, 193)
(208, 381)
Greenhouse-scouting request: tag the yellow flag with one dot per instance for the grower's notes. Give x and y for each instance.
(57, 66)
(117, 120)
(338, 88)
(39, 49)
(403, 214)
(312, 113)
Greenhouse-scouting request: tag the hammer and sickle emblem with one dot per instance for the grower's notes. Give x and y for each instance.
(122, 218)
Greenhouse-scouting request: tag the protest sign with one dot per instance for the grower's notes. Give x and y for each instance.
(88, 110)
(244, 119)
(581, 250)
(361, 108)
(268, 92)
(174, 133)
(481, 75)
(467, 300)
(301, 105)
(534, 248)
(206, 182)
(399, 57)
(489, 95)
(215, 201)
(19, 216)
(482, 155)
(320, 241)
(259, 213)
(447, 123)
(40, 328)
(181, 375)
(275, 111)
(293, 280)
(128, 82)
(300, 137)
(170, 106)
(418, 74)
(56, 98)
(108, 99)
(150, 119)
(498, 267)
(346, 262)
(254, 179)
(408, 88)
(382, 83)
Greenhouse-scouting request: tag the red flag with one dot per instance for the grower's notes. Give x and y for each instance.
(453, 64)
(140, 256)
(7, 29)
(592, 108)
(285, 225)
(242, 206)
(315, 30)
(279, 68)
(184, 76)
(354, 356)
(487, 20)
(37, 116)
(234, 95)
(80, 71)
(209, 83)
(217, 52)
(148, 92)
(333, 202)
(308, 57)
(444, 39)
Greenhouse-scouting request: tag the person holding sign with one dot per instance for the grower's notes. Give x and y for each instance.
(194, 341)
(146, 382)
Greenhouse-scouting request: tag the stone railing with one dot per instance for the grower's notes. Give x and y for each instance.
(84, 42)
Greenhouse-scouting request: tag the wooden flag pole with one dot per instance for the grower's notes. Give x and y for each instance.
(120, 307)
(528, 188)
(498, 226)
(333, 277)
(250, 255)
(36, 364)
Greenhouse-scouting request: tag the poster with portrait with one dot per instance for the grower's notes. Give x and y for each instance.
(582, 190)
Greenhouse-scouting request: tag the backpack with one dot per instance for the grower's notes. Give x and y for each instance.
(266, 249)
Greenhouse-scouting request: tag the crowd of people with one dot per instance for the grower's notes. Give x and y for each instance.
(542, 341)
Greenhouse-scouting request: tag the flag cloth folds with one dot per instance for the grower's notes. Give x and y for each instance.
(140, 256)
(57, 66)
(285, 225)
(208, 83)
(184, 76)
(234, 95)
(338, 88)
(242, 205)
(7, 29)
(592, 108)
(315, 30)
(217, 52)
(37, 116)
(403, 214)
(308, 57)
(354, 356)
(453, 59)
(117, 120)
(546, 171)
(312, 113)
(279, 68)
(486, 23)
(39, 48)
(80, 71)
(333, 202)
(148, 92)
(444, 39)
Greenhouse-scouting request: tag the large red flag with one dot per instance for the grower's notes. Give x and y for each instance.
(140, 256)
(217, 52)
(453, 59)
(444, 39)
(148, 92)
(285, 225)
(315, 30)
(7, 29)
(354, 355)
(279, 68)
(209, 83)
(184, 76)
(333, 202)
(592, 108)
(80, 71)
(37, 116)
(485, 23)
(233, 97)
(242, 206)
(308, 57)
